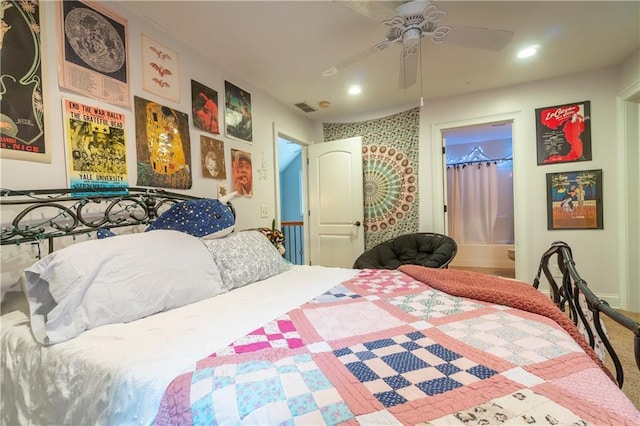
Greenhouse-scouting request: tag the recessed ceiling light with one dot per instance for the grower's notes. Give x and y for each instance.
(528, 51)
(355, 90)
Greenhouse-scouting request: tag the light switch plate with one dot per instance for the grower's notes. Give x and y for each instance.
(264, 210)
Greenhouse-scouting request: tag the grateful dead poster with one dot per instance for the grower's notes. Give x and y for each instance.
(95, 145)
(160, 70)
(93, 52)
(564, 133)
(163, 147)
(21, 104)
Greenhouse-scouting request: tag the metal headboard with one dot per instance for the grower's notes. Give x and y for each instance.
(568, 294)
(46, 214)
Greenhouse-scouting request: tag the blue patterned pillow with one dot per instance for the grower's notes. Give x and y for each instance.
(105, 233)
(203, 218)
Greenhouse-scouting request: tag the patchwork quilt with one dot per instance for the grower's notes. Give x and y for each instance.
(409, 346)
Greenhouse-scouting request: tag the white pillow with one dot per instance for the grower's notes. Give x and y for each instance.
(118, 279)
(246, 257)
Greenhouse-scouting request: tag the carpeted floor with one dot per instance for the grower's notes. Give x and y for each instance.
(622, 341)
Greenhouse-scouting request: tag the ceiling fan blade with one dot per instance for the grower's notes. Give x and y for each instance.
(352, 60)
(408, 70)
(478, 37)
(374, 10)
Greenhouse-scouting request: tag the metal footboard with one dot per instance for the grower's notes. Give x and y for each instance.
(572, 290)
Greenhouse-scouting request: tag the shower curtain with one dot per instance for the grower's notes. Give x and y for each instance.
(472, 202)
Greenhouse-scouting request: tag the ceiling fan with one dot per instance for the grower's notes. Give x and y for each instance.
(408, 24)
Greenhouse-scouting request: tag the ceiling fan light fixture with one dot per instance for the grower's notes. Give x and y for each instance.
(411, 41)
(412, 21)
(432, 14)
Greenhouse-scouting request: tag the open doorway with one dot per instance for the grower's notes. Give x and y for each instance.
(480, 196)
(292, 201)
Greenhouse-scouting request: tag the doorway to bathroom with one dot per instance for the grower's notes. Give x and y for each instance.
(480, 208)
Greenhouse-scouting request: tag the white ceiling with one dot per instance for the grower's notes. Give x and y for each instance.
(282, 47)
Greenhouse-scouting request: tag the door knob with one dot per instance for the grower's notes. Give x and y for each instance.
(357, 223)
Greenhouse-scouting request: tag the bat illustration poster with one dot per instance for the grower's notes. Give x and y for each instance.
(160, 74)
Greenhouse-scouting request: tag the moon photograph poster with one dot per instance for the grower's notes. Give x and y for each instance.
(93, 53)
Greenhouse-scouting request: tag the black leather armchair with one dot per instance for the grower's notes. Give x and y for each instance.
(420, 248)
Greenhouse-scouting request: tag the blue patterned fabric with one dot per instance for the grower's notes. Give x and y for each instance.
(203, 218)
(104, 233)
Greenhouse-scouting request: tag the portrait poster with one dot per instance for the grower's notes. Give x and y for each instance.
(574, 200)
(93, 52)
(160, 74)
(563, 133)
(212, 158)
(237, 113)
(242, 172)
(204, 108)
(163, 147)
(95, 146)
(21, 103)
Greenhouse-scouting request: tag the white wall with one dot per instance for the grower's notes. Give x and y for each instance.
(630, 72)
(28, 175)
(596, 251)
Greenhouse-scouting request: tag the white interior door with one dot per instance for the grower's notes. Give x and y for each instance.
(336, 205)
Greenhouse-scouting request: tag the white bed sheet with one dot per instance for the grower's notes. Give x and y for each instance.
(116, 374)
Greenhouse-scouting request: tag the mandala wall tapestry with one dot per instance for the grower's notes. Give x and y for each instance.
(390, 168)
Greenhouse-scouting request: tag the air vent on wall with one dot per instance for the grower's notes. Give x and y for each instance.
(305, 107)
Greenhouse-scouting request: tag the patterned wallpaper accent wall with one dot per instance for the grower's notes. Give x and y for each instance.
(390, 168)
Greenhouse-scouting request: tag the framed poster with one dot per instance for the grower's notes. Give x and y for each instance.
(95, 146)
(163, 147)
(21, 104)
(160, 74)
(212, 153)
(242, 172)
(237, 113)
(574, 200)
(93, 52)
(563, 133)
(204, 108)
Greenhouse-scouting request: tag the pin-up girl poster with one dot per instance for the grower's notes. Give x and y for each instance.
(564, 133)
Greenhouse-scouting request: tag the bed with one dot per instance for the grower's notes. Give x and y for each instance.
(267, 342)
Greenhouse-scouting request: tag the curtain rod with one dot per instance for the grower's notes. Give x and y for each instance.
(492, 160)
